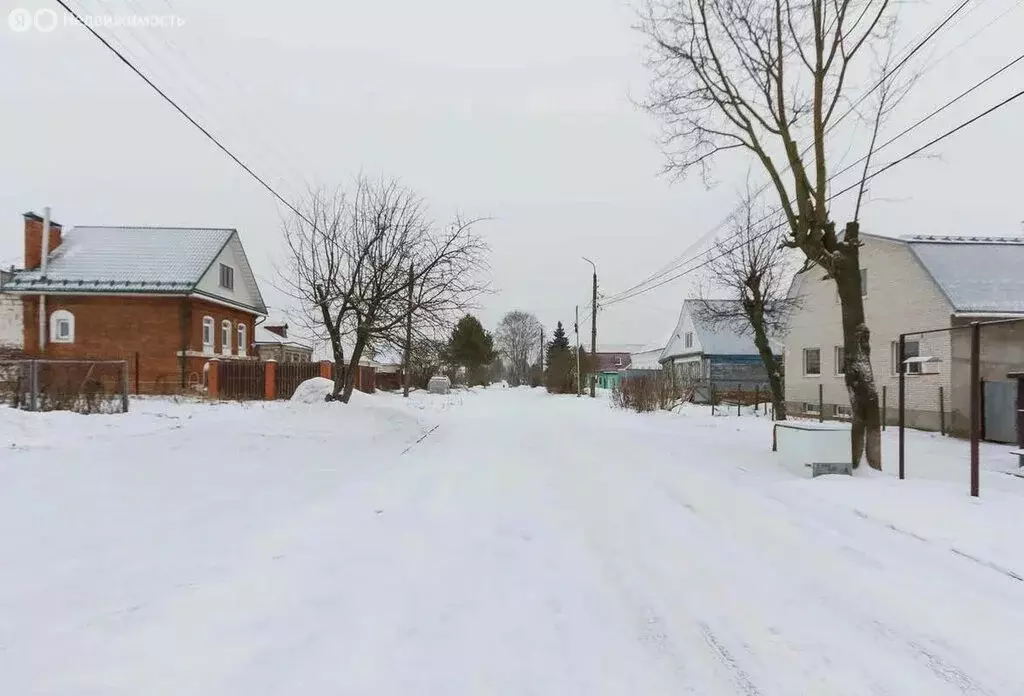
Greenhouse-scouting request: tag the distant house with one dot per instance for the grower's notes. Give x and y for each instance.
(12, 331)
(273, 343)
(646, 361)
(917, 282)
(611, 363)
(165, 299)
(712, 357)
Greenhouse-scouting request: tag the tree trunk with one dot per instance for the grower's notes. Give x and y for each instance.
(353, 366)
(755, 313)
(866, 427)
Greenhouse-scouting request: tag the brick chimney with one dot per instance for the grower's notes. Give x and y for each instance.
(279, 329)
(34, 238)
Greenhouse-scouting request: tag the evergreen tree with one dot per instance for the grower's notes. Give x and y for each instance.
(560, 378)
(473, 348)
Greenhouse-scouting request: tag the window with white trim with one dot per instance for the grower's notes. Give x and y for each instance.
(208, 334)
(911, 349)
(840, 356)
(843, 412)
(811, 408)
(62, 327)
(225, 337)
(242, 342)
(812, 362)
(688, 339)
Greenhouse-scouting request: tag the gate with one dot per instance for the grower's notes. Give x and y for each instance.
(999, 408)
(241, 379)
(291, 374)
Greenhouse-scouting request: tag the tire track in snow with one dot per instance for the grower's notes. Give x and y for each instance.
(740, 678)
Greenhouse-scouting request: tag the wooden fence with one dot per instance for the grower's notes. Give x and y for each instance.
(241, 380)
(291, 374)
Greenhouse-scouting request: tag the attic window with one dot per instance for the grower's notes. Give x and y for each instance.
(688, 339)
(618, 361)
(227, 277)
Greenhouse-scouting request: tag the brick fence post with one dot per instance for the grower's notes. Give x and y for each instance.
(325, 369)
(213, 378)
(270, 380)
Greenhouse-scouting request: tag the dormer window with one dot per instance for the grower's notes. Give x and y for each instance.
(227, 277)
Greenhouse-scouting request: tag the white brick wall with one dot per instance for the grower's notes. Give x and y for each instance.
(11, 331)
(901, 296)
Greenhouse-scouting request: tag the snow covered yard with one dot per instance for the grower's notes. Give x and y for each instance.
(497, 541)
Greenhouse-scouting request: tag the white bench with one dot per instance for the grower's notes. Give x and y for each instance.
(824, 447)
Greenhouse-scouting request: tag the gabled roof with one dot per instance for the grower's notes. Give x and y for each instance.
(149, 260)
(719, 338)
(977, 274)
(264, 336)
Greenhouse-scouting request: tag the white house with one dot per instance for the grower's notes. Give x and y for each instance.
(912, 283)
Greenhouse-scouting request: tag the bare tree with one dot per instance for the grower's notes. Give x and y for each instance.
(517, 338)
(353, 275)
(754, 270)
(767, 77)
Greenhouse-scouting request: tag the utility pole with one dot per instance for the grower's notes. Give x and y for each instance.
(593, 332)
(579, 386)
(408, 339)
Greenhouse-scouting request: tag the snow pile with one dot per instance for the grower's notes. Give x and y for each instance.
(313, 391)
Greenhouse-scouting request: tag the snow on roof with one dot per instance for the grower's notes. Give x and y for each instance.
(715, 338)
(266, 336)
(615, 348)
(646, 359)
(977, 274)
(127, 259)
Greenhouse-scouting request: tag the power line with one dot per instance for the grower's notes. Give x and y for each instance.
(888, 142)
(871, 176)
(184, 113)
(679, 260)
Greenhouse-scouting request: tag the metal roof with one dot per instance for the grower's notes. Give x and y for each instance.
(977, 274)
(126, 259)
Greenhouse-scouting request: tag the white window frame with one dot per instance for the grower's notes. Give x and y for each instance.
(243, 342)
(57, 318)
(843, 412)
(688, 339)
(208, 335)
(618, 361)
(838, 356)
(811, 409)
(803, 356)
(894, 357)
(225, 337)
(230, 276)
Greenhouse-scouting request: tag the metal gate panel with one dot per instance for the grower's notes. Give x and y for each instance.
(1000, 411)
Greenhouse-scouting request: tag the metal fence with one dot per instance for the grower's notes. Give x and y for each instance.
(82, 386)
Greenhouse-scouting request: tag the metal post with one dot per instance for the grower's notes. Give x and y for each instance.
(593, 331)
(885, 410)
(33, 381)
(739, 400)
(579, 385)
(137, 370)
(407, 378)
(942, 411)
(975, 404)
(124, 386)
(903, 403)
(821, 402)
(757, 398)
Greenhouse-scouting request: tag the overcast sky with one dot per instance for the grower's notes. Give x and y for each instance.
(518, 111)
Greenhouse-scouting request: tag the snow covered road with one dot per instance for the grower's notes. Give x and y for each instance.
(527, 545)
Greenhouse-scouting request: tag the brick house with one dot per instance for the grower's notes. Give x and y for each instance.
(917, 282)
(165, 299)
(273, 343)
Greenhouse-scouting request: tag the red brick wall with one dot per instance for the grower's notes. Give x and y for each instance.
(153, 329)
(34, 238)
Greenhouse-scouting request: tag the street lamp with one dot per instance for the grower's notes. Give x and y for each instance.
(593, 331)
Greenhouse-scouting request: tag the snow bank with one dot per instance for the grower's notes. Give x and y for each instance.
(316, 390)
(313, 391)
